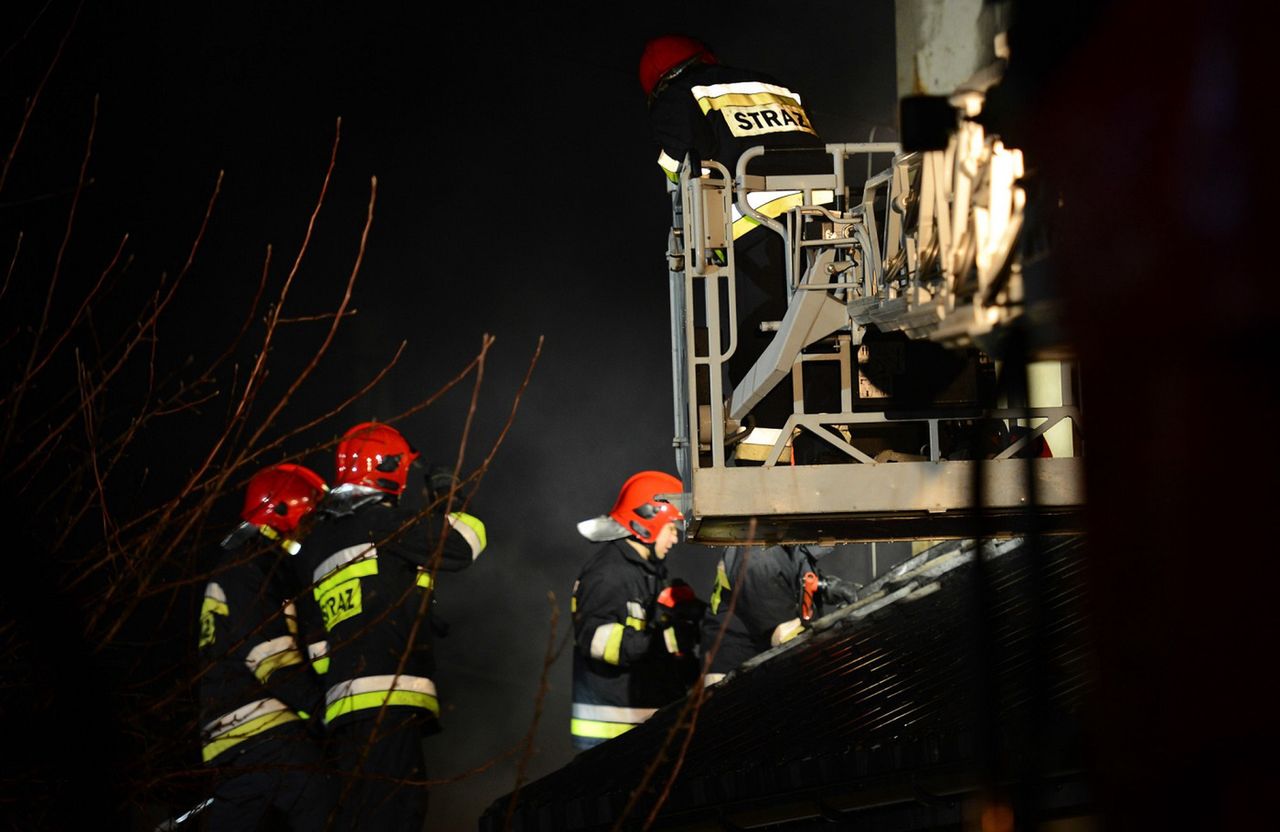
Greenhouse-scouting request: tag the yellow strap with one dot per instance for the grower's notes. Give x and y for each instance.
(376, 698)
(250, 729)
(598, 730)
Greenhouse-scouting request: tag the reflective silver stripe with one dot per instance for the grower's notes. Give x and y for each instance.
(713, 678)
(600, 640)
(667, 163)
(230, 721)
(635, 610)
(340, 558)
(468, 534)
(374, 684)
(214, 590)
(317, 650)
(612, 713)
(669, 637)
(267, 649)
(743, 88)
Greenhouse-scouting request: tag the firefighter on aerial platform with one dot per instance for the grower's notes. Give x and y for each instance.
(634, 632)
(779, 591)
(702, 109)
(259, 700)
(371, 562)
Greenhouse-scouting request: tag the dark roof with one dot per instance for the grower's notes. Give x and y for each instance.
(892, 709)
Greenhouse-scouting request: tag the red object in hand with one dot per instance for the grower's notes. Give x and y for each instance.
(809, 586)
(676, 594)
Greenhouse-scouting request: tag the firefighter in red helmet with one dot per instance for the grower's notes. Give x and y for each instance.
(372, 564)
(702, 107)
(258, 693)
(633, 653)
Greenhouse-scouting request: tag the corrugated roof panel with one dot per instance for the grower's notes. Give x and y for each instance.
(866, 709)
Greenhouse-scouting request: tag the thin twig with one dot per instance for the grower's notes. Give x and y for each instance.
(322, 317)
(13, 261)
(25, 379)
(548, 659)
(158, 307)
(35, 97)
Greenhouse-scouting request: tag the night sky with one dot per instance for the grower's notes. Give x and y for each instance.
(517, 195)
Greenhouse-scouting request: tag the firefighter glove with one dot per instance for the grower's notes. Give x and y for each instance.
(837, 592)
(440, 480)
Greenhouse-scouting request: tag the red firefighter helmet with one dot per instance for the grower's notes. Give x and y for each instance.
(280, 496)
(275, 501)
(375, 455)
(639, 512)
(663, 54)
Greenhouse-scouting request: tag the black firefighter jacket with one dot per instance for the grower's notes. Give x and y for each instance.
(369, 568)
(623, 669)
(717, 112)
(255, 677)
(767, 583)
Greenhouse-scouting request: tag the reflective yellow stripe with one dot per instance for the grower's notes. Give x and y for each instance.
(250, 729)
(320, 666)
(573, 604)
(208, 609)
(598, 730)
(772, 208)
(375, 699)
(472, 529)
(269, 665)
(613, 647)
(635, 623)
(721, 102)
(722, 583)
(359, 569)
(670, 166)
(423, 580)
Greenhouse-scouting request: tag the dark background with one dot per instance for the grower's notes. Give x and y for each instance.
(517, 195)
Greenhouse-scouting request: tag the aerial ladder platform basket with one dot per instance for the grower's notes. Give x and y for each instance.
(914, 310)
